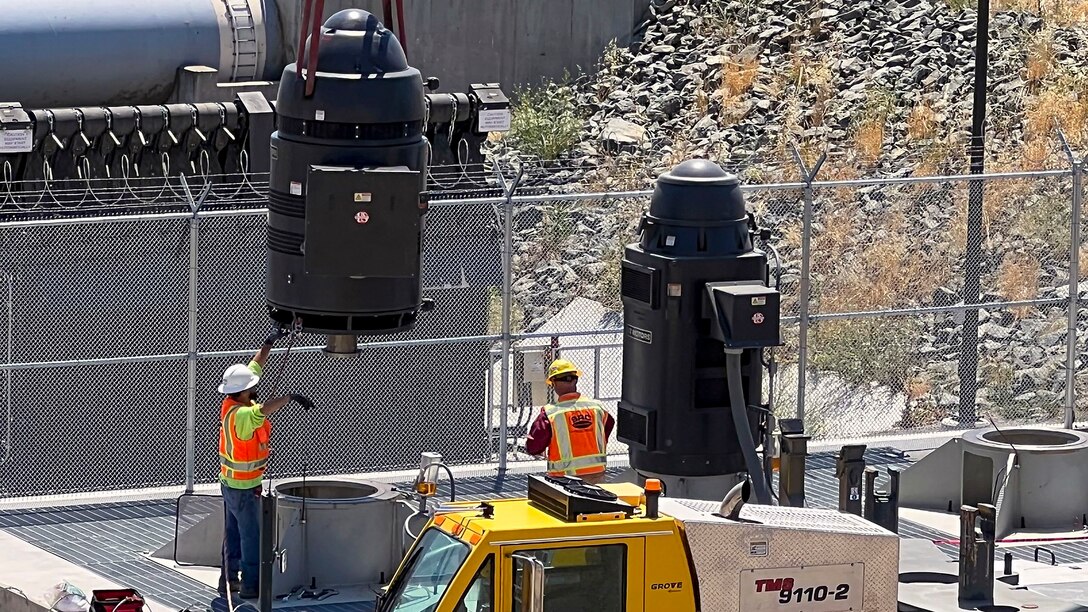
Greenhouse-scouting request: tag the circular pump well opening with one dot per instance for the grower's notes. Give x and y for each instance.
(326, 490)
(1031, 437)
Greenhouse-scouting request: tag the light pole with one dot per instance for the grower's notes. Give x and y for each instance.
(968, 369)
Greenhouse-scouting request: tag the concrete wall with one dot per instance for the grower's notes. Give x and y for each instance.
(509, 41)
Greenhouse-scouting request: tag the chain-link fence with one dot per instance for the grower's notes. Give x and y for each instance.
(116, 328)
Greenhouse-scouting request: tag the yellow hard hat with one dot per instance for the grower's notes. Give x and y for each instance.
(560, 367)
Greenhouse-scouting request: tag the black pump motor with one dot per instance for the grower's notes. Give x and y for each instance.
(693, 287)
(348, 166)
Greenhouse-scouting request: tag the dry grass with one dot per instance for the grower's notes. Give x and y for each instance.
(940, 156)
(1001, 198)
(917, 387)
(1018, 280)
(868, 140)
(679, 151)
(840, 170)
(738, 75)
(869, 135)
(1062, 102)
(1059, 12)
(614, 175)
(1037, 154)
(736, 82)
(922, 122)
(885, 272)
(818, 77)
(702, 102)
(830, 244)
(1039, 62)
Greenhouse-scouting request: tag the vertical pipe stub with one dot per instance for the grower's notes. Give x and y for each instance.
(340, 345)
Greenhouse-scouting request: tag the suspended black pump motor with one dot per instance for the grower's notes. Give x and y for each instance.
(349, 161)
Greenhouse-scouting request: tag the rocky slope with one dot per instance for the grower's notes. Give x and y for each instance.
(885, 89)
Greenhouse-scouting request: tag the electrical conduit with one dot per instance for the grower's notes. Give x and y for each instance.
(740, 422)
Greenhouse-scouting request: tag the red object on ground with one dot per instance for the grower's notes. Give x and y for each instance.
(109, 600)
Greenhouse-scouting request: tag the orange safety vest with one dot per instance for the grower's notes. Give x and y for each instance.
(241, 459)
(578, 443)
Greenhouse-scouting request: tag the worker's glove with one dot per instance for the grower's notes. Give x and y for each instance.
(303, 401)
(279, 334)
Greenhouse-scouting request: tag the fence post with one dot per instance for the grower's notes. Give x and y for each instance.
(9, 312)
(806, 269)
(507, 284)
(1074, 285)
(194, 305)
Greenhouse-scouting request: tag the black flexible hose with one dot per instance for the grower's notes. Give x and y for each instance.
(453, 485)
(744, 429)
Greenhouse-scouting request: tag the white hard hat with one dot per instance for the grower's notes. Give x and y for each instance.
(238, 378)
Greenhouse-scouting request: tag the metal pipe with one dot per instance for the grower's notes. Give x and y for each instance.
(792, 186)
(194, 308)
(593, 196)
(565, 197)
(130, 218)
(32, 365)
(1074, 294)
(507, 307)
(592, 332)
(735, 499)
(968, 366)
(7, 385)
(914, 180)
(191, 391)
(596, 371)
(931, 309)
(494, 338)
(87, 49)
(803, 301)
(341, 345)
(504, 367)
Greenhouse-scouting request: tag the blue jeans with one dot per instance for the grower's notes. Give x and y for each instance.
(242, 531)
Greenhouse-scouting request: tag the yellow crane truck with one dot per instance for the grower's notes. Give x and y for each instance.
(573, 547)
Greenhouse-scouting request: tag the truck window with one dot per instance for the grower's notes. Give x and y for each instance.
(480, 596)
(430, 569)
(583, 579)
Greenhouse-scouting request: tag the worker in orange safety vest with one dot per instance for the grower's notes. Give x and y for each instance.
(244, 434)
(574, 431)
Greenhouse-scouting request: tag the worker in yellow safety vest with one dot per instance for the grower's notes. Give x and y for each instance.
(574, 431)
(244, 434)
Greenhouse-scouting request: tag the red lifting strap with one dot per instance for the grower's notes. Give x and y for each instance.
(400, 27)
(312, 11)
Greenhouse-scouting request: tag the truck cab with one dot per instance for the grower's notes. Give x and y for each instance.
(572, 550)
(573, 547)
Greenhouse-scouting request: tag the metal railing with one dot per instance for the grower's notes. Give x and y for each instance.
(118, 323)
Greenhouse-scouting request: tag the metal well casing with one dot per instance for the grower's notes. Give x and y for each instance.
(349, 157)
(337, 532)
(674, 413)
